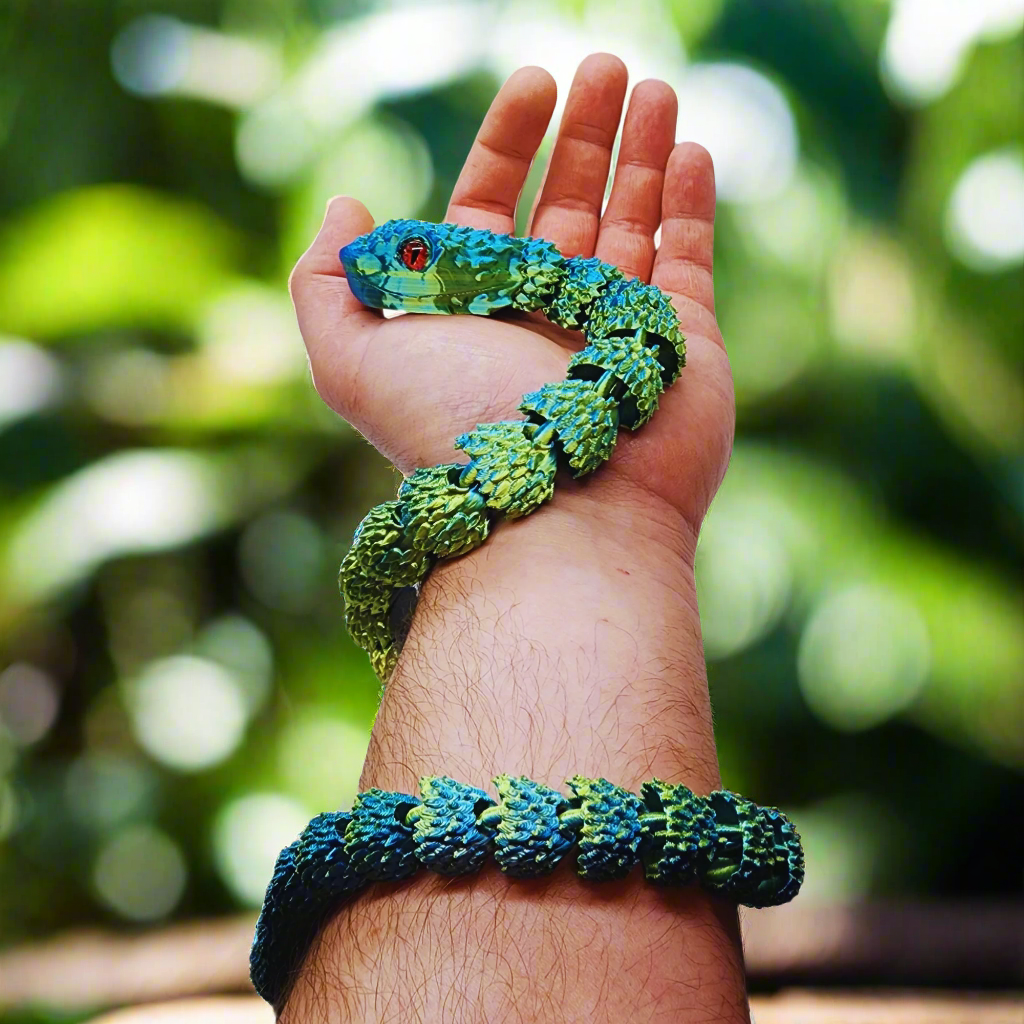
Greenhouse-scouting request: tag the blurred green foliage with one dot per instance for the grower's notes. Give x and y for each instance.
(174, 500)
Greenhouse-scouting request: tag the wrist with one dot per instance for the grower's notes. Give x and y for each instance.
(569, 642)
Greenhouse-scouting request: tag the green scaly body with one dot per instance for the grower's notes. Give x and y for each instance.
(634, 350)
(724, 843)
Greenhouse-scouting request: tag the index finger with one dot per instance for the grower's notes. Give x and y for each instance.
(495, 171)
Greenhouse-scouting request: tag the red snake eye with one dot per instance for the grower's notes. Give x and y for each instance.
(414, 253)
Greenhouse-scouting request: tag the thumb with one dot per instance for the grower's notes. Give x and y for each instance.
(318, 288)
(335, 325)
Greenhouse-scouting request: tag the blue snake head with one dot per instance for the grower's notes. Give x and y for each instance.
(446, 268)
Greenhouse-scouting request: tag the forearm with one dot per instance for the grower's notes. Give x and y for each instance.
(569, 643)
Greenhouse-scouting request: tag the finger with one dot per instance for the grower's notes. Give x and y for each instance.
(492, 177)
(633, 214)
(683, 265)
(327, 311)
(569, 207)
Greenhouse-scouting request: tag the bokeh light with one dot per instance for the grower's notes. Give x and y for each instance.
(274, 144)
(426, 45)
(250, 335)
(129, 386)
(864, 656)
(853, 844)
(30, 379)
(132, 501)
(745, 122)
(29, 702)
(140, 873)
(557, 39)
(872, 306)
(241, 647)
(248, 834)
(928, 41)
(319, 758)
(156, 55)
(744, 576)
(187, 713)
(104, 789)
(800, 226)
(985, 215)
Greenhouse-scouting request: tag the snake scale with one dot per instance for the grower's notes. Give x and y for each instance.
(633, 351)
(728, 845)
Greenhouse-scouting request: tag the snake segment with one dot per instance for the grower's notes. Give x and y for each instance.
(728, 845)
(634, 350)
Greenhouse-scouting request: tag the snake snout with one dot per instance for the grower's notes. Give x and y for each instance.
(363, 271)
(357, 261)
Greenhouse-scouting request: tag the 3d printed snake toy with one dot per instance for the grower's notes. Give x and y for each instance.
(634, 351)
(728, 845)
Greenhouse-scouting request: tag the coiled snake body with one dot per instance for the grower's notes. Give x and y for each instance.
(728, 845)
(634, 350)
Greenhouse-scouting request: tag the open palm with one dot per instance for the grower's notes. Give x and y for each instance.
(412, 383)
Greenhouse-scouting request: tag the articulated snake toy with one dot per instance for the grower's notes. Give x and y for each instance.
(729, 846)
(634, 350)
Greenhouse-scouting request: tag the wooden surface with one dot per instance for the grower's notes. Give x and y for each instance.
(948, 946)
(787, 1008)
(896, 1007)
(223, 1010)
(92, 969)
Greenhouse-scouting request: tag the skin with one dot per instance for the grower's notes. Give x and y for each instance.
(570, 642)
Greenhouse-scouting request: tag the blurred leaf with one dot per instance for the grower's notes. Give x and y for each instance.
(136, 501)
(833, 537)
(112, 255)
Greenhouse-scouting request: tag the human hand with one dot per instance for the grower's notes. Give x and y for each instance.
(589, 605)
(410, 384)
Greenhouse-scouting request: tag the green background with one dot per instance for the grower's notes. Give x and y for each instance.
(177, 690)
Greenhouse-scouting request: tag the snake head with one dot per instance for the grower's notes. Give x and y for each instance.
(446, 268)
